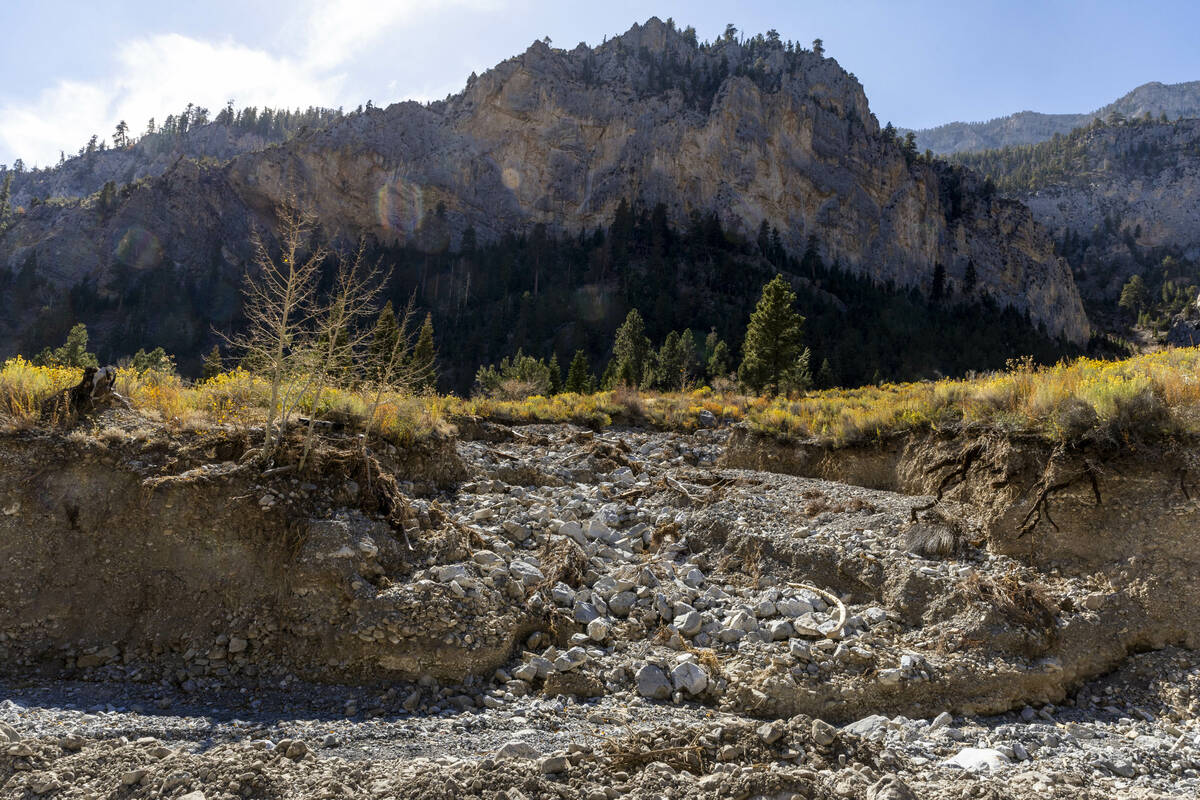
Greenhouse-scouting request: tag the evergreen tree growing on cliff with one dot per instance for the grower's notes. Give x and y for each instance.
(1134, 295)
(774, 359)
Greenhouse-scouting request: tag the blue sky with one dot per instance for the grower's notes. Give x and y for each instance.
(73, 68)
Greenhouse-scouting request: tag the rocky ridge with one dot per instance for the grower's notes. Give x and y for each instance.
(1030, 127)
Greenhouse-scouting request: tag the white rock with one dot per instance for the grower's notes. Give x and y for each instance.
(525, 672)
(866, 726)
(975, 759)
(729, 635)
(585, 613)
(621, 603)
(780, 629)
(518, 748)
(689, 624)
(574, 531)
(793, 606)
(525, 572)
(652, 682)
(743, 620)
(598, 629)
(689, 677)
(562, 595)
(598, 530)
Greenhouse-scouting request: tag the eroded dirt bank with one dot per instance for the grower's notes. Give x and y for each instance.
(1120, 516)
(136, 548)
(538, 578)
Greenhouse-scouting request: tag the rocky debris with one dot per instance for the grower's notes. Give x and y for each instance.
(751, 618)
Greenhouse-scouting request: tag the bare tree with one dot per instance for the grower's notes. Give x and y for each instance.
(339, 334)
(280, 307)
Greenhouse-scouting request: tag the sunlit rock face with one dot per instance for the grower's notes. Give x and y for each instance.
(750, 132)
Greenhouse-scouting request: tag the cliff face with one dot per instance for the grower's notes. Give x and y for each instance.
(1146, 176)
(1125, 194)
(750, 133)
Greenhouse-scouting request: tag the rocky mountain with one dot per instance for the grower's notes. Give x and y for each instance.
(757, 135)
(1029, 127)
(189, 135)
(1119, 199)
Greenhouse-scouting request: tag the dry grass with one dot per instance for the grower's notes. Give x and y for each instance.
(1149, 395)
(236, 398)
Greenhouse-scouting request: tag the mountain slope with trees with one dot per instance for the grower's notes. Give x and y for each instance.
(1122, 200)
(533, 180)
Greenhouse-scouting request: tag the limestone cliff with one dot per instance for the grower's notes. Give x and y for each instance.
(751, 131)
(1119, 196)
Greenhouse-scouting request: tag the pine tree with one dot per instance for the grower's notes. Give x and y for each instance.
(212, 364)
(556, 378)
(774, 359)
(1134, 295)
(631, 350)
(719, 362)
(825, 379)
(670, 364)
(383, 341)
(5, 194)
(73, 353)
(938, 290)
(579, 375)
(156, 360)
(688, 357)
(424, 356)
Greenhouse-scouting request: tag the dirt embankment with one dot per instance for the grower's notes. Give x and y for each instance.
(120, 548)
(1124, 514)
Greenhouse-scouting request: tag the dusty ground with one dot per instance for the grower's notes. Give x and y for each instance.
(679, 630)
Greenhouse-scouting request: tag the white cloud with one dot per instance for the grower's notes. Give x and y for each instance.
(156, 75)
(338, 29)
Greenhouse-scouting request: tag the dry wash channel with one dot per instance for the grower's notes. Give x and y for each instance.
(628, 612)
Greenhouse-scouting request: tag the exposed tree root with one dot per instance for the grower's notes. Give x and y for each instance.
(962, 464)
(1041, 507)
